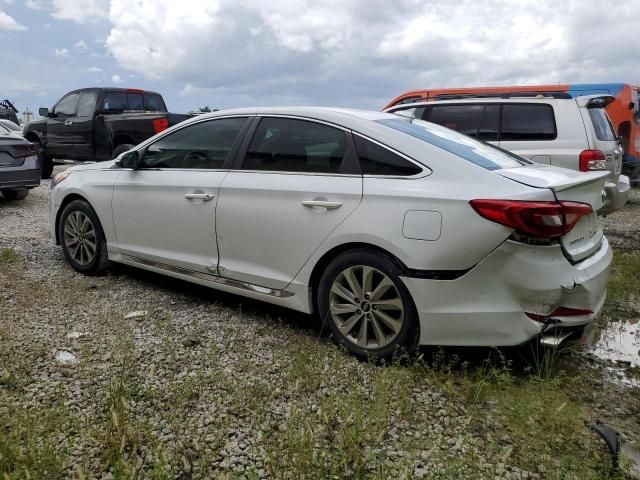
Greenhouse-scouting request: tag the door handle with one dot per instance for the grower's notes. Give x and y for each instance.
(68, 123)
(199, 196)
(322, 204)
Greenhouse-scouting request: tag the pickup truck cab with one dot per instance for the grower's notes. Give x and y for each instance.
(96, 124)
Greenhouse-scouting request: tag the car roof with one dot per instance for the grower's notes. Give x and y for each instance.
(482, 100)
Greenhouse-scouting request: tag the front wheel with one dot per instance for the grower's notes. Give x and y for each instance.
(82, 238)
(14, 193)
(367, 307)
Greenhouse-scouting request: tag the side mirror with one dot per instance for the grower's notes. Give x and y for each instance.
(129, 159)
(43, 111)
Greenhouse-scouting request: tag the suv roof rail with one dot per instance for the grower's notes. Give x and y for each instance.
(7, 105)
(456, 96)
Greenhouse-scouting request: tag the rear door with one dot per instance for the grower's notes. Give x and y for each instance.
(294, 184)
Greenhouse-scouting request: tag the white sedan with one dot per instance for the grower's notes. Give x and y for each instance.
(395, 231)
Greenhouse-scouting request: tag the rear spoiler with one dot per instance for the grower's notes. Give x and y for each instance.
(595, 101)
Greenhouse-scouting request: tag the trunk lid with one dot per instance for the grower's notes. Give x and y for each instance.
(571, 186)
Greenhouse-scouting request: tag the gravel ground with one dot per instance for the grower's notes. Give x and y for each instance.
(134, 375)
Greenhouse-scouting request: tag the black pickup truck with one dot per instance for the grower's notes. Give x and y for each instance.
(96, 124)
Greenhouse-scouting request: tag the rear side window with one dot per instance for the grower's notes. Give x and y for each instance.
(479, 121)
(204, 145)
(115, 101)
(527, 122)
(601, 124)
(290, 145)
(377, 160)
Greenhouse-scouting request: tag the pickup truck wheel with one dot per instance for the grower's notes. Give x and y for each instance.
(121, 149)
(14, 193)
(47, 165)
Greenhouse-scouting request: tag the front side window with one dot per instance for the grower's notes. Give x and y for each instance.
(204, 145)
(87, 104)
(67, 106)
(527, 122)
(289, 145)
(601, 124)
(377, 160)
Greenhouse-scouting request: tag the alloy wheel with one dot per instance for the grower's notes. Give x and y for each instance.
(366, 307)
(80, 237)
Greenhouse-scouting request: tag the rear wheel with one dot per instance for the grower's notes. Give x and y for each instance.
(120, 149)
(367, 307)
(14, 193)
(82, 238)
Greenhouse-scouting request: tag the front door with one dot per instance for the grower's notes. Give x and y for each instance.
(164, 211)
(61, 140)
(287, 196)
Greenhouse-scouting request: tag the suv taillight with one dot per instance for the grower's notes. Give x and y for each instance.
(160, 124)
(592, 160)
(536, 219)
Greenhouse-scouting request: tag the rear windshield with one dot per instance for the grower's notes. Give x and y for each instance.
(474, 151)
(601, 124)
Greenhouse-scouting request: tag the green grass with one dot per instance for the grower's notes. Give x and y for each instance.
(8, 256)
(623, 284)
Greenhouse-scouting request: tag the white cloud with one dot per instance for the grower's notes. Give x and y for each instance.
(116, 79)
(91, 70)
(61, 52)
(80, 46)
(8, 1)
(8, 23)
(34, 5)
(365, 52)
(80, 11)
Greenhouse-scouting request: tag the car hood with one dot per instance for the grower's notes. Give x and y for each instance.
(93, 166)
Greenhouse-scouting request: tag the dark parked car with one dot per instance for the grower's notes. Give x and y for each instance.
(96, 124)
(9, 125)
(19, 165)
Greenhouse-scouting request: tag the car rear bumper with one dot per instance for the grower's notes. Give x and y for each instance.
(617, 195)
(488, 305)
(26, 175)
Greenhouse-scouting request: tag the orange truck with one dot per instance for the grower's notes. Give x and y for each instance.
(624, 111)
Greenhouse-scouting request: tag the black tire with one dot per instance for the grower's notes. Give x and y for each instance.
(121, 149)
(99, 261)
(14, 193)
(47, 166)
(406, 336)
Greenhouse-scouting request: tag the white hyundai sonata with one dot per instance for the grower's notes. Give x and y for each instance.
(396, 232)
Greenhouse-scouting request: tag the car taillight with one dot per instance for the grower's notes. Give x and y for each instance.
(23, 151)
(592, 160)
(536, 219)
(160, 124)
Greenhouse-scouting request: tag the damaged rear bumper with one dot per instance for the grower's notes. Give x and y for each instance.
(488, 306)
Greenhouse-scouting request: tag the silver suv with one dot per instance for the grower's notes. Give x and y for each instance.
(567, 132)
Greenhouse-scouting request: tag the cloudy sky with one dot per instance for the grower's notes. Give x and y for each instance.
(360, 53)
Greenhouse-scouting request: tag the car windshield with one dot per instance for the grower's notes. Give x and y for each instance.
(477, 152)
